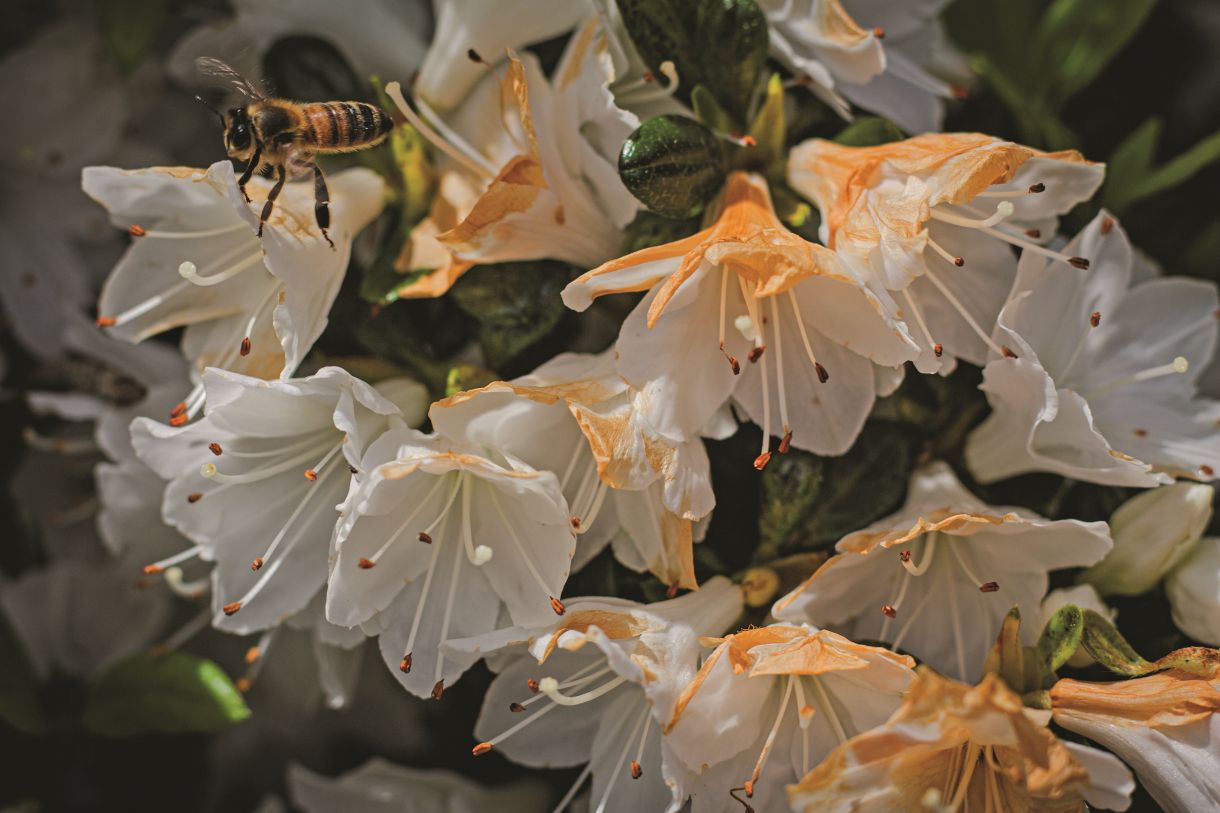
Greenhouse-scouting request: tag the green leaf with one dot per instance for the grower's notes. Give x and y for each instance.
(1076, 39)
(168, 693)
(673, 165)
(1173, 173)
(130, 27)
(1129, 163)
(709, 112)
(19, 704)
(869, 131)
(1109, 648)
(310, 69)
(791, 484)
(863, 485)
(1059, 639)
(515, 304)
(731, 38)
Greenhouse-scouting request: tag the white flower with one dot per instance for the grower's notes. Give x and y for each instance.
(536, 181)
(952, 747)
(887, 58)
(1083, 596)
(1193, 588)
(450, 70)
(68, 110)
(1102, 388)
(378, 786)
(574, 416)
(78, 619)
(251, 306)
(932, 219)
(1164, 726)
(728, 300)
(1152, 532)
(960, 566)
(596, 687)
(770, 703)
(383, 37)
(255, 483)
(431, 520)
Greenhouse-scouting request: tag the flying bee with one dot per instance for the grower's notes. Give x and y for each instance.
(285, 136)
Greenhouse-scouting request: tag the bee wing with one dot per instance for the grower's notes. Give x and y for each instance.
(210, 66)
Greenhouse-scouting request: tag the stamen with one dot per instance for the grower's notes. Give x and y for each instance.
(616, 771)
(770, 741)
(919, 320)
(779, 373)
(929, 552)
(141, 308)
(176, 582)
(759, 342)
(209, 470)
(475, 163)
(576, 785)
(440, 651)
(169, 561)
(823, 376)
(724, 291)
(957, 305)
(949, 258)
(1075, 262)
(424, 536)
(190, 273)
(140, 231)
(311, 473)
(481, 554)
(829, 709)
(1003, 210)
(804, 716)
(556, 604)
(1033, 189)
(636, 770)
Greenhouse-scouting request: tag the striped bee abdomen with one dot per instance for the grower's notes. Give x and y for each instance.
(342, 126)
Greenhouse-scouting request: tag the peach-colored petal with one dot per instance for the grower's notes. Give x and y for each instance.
(1173, 698)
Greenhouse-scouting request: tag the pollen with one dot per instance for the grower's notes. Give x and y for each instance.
(989, 587)
(532, 685)
(231, 608)
(636, 770)
(136, 230)
(257, 564)
(365, 564)
(425, 537)
(194, 497)
(179, 420)
(785, 442)
(245, 346)
(1095, 318)
(106, 321)
(938, 349)
(557, 606)
(823, 376)
(756, 353)
(215, 449)
(762, 460)
(152, 570)
(311, 475)
(516, 708)
(481, 749)
(252, 654)
(404, 665)
(438, 690)
(879, 33)
(888, 611)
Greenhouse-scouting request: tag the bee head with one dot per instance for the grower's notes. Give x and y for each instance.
(239, 137)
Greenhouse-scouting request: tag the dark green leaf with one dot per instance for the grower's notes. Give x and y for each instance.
(1076, 39)
(673, 165)
(1129, 163)
(18, 684)
(130, 28)
(1109, 648)
(309, 69)
(709, 112)
(1060, 638)
(1176, 171)
(844, 495)
(515, 304)
(869, 131)
(732, 40)
(170, 693)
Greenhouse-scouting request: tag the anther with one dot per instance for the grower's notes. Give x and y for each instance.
(1140, 433)
(749, 141)
(179, 420)
(178, 409)
(243, 684)
(481, 749)
(1095, 318)
(733, 363)
(756, 353)
(1078, 262)
(1107, 225)
(516, 708)
(879, 33)
(252, 654)
(823, 376)
(557, 606)
(762, 460)
(152, 570)
(106, 321)
(194, 496)
(671, 591)
(888, 611)
(215, 449)
(959, 261)
(1206, 469)
(311, 475)
(532, 684)
(136, 230)
(231, 608)
(1034, 189)
(474, 56)
(1033, 234)
(1008, 352)
(245, 346)
(989, 587)
(365, 564)
(904, 555)
(636, 770)
(938, 350)
(425, 537)
(257, 564)
(785, 442)
(404, 665)
(438, 690)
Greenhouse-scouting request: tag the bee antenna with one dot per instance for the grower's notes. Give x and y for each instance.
(204, 102)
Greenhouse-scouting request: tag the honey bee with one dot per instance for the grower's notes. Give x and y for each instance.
(285, 136)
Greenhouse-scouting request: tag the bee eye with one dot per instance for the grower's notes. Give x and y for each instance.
(239, 137)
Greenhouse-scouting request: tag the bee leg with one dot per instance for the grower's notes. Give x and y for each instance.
(281, 176)
(321, 205)
(249, 173)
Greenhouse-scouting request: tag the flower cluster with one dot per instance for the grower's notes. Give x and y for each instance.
(308, 466)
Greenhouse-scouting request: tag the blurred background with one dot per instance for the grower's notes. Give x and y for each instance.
(1135, 83)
